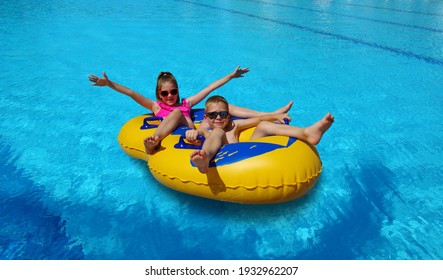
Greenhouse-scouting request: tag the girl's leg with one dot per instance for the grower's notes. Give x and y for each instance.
(241, 112)
(211, 146)
(311, 134)
(168, 125)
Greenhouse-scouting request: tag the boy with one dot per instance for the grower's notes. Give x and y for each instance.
(225, 131)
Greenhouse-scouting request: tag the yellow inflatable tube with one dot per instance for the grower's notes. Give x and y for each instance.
(267, 170)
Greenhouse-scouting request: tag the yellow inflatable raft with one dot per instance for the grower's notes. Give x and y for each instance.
(267, 170)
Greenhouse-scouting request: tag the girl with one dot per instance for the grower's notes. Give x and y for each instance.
(176, 112)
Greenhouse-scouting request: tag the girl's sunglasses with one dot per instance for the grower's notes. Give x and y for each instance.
(165, 93)
(213, 115)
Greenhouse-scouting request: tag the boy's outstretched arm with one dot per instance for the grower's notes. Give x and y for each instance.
(195, 99)
(251, 122)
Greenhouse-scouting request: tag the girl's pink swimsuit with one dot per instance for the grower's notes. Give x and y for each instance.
(165, 110)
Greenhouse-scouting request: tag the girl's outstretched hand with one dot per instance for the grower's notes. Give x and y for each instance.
(239, 72)
(99, 81)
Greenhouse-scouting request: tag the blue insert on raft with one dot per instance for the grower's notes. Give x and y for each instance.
(232, 153)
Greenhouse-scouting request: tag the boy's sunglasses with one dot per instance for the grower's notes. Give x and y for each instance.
(213, 115)
(165, 93)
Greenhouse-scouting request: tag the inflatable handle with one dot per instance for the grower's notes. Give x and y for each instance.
(147, 125)
(183, 145)
(286, 120)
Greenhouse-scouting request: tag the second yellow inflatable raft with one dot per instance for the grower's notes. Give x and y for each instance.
(267, 170)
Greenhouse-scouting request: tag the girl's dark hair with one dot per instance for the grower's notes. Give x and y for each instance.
(164, 77)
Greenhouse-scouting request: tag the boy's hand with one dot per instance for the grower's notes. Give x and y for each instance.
(99, 81)
(282, 117)
(191, 135)
(239, 72)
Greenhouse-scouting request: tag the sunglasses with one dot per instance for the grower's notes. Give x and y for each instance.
(213, 115)
(165, 93)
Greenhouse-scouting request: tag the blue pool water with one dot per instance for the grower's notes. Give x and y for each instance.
(67, 190)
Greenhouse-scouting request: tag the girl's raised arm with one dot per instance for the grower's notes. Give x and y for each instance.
(195, 99)
(140, 99)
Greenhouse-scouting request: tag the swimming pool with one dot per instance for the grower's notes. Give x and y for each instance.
(67, 190)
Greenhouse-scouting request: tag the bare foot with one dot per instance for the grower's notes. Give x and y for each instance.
(201, 160)
(315, 132)
(284, 109)
(151, 144)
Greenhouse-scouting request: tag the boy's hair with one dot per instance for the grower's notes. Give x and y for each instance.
(166, 77)
(216, 99)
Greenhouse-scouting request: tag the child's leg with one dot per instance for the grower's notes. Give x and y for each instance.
(241, 112)
(211, 146)
(311, 134)
(168, 125)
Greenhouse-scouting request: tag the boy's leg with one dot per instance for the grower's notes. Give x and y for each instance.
(166, 127)
(311, 134)
(268, 128)
(210, 147)
(315, 132)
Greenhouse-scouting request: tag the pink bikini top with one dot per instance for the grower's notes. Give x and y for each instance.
(165, 110)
